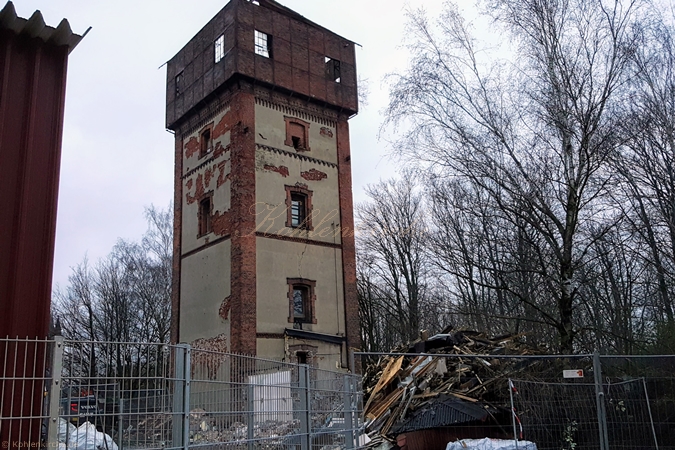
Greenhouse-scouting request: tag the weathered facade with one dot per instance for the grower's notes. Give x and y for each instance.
(264, 260)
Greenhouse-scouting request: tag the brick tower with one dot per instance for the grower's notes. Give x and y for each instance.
(264, 260)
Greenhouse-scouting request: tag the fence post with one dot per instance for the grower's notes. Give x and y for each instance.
(600, 402)
(55, 393)
(181, 397)
(349, 409)
(649, 409)
(513, 412)
(120, 424)
(305, 403)
(250, 415)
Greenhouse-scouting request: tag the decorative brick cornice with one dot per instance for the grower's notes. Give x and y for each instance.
(296, 155)
(204, 116)
(288, 106)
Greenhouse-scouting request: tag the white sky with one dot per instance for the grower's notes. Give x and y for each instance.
(117, 156)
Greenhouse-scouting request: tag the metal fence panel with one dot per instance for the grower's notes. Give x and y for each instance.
(618, 402)
(150, 395)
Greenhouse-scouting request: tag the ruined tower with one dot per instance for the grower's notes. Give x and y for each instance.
(264, 260)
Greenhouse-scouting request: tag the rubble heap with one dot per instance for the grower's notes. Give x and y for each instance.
(461, 364)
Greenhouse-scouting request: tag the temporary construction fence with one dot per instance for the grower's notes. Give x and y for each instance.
(557, 402)
(148, 395)
(628, 403)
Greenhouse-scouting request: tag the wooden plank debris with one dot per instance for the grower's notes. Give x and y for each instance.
(463, 364)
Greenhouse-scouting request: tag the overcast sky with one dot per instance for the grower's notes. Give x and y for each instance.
(117, 156)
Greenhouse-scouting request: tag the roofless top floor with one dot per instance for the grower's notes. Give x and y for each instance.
(267, 43)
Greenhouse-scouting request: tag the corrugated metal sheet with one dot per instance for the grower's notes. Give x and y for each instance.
(442, 412)
(33, 60)
(35, 27)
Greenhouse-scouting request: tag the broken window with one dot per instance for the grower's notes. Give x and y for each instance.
(297, 133)
(263, 44)
(206, 143)
(178, 82)
(301, 301)
(333, 69)
(300, 296)
(299, 207)
(205, 215)
(219, 48)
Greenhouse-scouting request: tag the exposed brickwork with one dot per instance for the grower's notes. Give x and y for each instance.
(224, 310)
(223, 175)
(299, 48)
(192, 147)
(348, 247)
(281, 170)
(208, 173)
(221, 223)
(199, 190)
(223, 126)
(177, 233)
(313, 175)
(219, 150)
(204, 178)
(243, 275)
(211, 359)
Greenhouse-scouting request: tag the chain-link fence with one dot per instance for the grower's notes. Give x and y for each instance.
(145, 395)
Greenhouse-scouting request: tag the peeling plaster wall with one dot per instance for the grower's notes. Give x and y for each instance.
(271, 131)
(277, 167)
(237, 273)
(201, 175)
(205, 286)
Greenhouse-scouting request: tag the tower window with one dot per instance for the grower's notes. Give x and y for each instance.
(297, 133)
(205, 142)
(299, 207)
(298, 210)
(205, 215)
(301, 300)
(333, 69)
(219, 48)
(178, 81)
(263, 44)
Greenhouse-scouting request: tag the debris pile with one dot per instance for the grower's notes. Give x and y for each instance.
(465, 365)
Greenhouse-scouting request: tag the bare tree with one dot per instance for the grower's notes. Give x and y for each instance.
(392, 256)
(125, 297)
(647, 165)
(533, 134)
